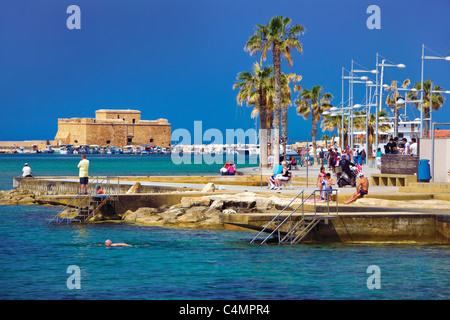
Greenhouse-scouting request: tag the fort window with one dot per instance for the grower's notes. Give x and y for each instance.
(76, 141)
(108, 141)
(134, 120)
(151, 140)
(129, 140)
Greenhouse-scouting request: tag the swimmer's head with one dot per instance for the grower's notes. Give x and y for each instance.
(108, 243)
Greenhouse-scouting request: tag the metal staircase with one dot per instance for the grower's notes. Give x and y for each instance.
(87, 205)
(292, 229)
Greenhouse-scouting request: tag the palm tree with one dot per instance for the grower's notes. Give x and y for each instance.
(286, 102)
(279, 37)
(253, 89)
(359, 123)
(313, 102)
(437, 100)
(330, 123)
(325, 138)
(391, 101)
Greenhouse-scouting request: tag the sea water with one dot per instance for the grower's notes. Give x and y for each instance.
(163, 263)
(45, 165)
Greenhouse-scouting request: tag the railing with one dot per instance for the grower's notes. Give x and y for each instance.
(279, 224)
(58, 218)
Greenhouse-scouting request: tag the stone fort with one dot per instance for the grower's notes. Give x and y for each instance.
(113, 128)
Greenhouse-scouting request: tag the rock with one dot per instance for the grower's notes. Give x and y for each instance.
(141, 215)
(136, 188)
(209, 187)
(229, 211)
(172, 213)
(264, 204)
(193, 215)
(188, 202)
(217, 204)
(27, 200)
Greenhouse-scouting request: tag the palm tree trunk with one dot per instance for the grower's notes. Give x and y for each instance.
(284, 124)
(263, 130)
(269, 131)
(314, 136)
(370, 142)
(277, 103)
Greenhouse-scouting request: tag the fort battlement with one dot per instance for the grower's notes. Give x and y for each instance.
(114, 128)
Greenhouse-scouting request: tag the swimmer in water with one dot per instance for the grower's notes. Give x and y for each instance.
(108, 243)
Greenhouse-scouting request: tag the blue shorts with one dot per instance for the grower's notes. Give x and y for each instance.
(84, 180)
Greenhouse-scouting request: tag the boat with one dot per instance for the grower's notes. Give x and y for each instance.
(127, 150)
(94, 149)
(406, 129)
(21, 150)
(66, 149)
(48, 149)
(84, 149)
(145, 149)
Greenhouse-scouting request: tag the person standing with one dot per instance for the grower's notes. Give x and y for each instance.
(83, 165)
(379, 158)
(363, 156)
(407, 147)
(322, 157)
(413, 147)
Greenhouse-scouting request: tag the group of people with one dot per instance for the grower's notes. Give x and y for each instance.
(392, 147)
(334, 157)
(280, 173)
(83, 167)
(324, 183)
(229, 169)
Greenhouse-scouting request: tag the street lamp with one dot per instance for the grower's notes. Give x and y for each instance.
(380, 94)
(424, 57)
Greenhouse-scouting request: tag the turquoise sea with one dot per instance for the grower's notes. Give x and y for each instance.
(173, 264)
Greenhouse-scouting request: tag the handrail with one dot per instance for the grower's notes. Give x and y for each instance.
(279, 225)
(94, 181)
(276, 216)
(289, 216)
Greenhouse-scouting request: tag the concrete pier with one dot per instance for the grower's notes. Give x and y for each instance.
(358, 222)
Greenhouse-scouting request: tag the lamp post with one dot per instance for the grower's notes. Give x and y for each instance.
(380, 93)
(353, 79)
(424, 57)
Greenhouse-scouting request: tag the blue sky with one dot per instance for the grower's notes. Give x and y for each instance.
(179, 59)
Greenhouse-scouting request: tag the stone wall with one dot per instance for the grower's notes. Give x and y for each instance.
(108, 130)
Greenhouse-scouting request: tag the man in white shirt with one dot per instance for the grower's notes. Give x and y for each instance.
(26, 171)
(413, 147)
(84, 173)
(407, 147)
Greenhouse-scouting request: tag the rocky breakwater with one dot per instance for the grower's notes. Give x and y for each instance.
(17, 196)
(203, 212)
